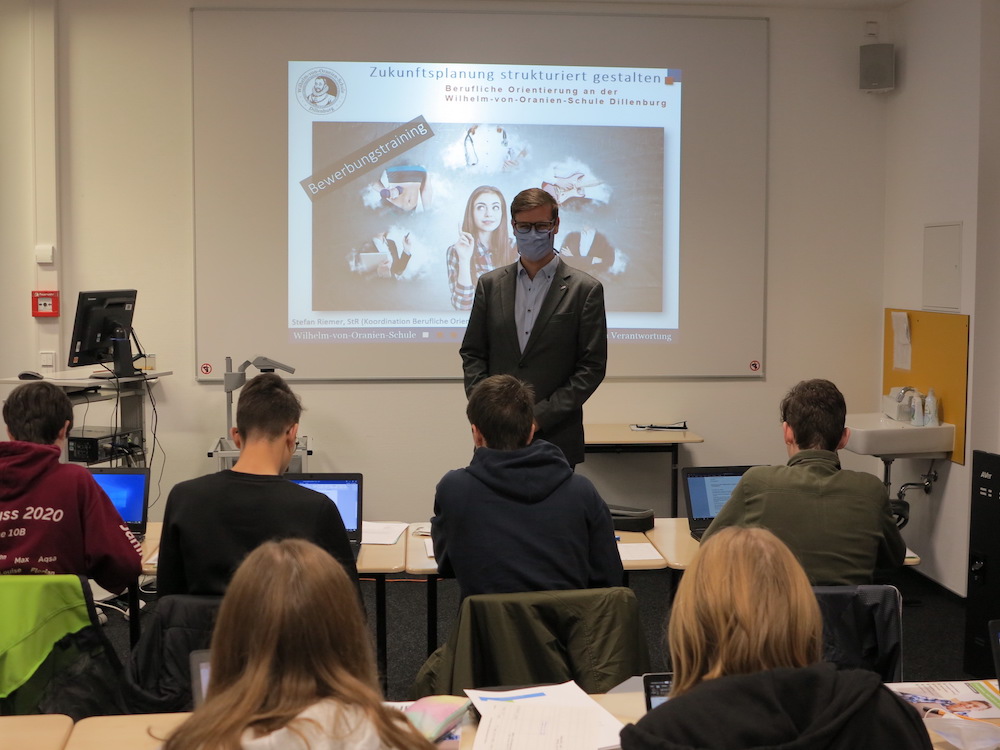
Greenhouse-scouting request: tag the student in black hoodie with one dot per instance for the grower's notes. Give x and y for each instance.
(518, 518)
(745, 639)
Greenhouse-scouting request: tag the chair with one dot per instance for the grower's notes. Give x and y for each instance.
(158, 673)
(591, 636)
(54, 656)
(863, 628)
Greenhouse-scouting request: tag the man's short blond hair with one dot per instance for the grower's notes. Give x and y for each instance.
(533, 198)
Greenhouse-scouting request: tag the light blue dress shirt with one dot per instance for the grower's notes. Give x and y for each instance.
(528, 297)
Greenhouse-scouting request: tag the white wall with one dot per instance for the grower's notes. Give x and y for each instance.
(16, 205)
(126, 195)
(932, 168)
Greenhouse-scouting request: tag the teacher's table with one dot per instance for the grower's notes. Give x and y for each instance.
(374, 561)
(37, 732)
(621, 438)
(418, 562)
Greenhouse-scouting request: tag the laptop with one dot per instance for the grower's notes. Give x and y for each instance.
(200, 670)
(345, 492)
(128, 489)
(706, 490)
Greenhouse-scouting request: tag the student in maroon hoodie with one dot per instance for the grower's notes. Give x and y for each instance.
(54, 518)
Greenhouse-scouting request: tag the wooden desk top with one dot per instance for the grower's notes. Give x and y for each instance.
(418, 562)
(624, 435)
(672, 539)
(373, 558)
(38, 732)
(136, 732)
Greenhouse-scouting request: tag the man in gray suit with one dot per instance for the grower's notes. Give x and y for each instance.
(543, 322)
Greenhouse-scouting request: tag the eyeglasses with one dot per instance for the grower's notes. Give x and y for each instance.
(523, 227)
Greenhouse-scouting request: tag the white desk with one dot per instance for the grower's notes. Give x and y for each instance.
(36, 732)
(135, 732)
(672, 539)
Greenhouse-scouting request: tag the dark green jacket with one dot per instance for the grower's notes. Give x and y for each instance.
(836, 521)
(591, 636)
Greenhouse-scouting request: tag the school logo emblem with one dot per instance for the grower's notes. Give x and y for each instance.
(320, 90)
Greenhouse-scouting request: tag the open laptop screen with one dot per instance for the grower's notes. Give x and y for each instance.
(344, 490)
(128, 489)
(708, 489)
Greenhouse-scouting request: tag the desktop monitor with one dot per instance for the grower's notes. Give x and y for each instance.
(102, 330)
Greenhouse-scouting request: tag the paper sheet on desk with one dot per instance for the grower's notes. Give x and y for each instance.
(429, 548)
(639, 551)
(384, 532)
(536, 726)
(604, 735)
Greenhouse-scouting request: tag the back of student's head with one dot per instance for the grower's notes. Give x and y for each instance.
(290, 632)
(816, 412)
(503, 409)
(36, 412)
(744, 605)
(267, 407)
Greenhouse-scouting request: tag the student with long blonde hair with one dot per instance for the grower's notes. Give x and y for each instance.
(292, 664)
(745, 638)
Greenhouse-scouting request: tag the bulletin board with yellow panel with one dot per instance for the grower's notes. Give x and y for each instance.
(937, 357)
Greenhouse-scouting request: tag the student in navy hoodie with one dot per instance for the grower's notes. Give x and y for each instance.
(518, 518)
(54, 518)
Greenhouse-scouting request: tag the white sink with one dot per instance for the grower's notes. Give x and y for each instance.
(877, 435)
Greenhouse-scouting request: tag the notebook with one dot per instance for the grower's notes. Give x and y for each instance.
(345, 491)
(706, 490)
(128, 489)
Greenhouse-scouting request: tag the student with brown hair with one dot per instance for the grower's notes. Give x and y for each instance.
(745, 638)
(518, 518)
(212, 522)
(838, 522)
(292, 664)
(54, 518)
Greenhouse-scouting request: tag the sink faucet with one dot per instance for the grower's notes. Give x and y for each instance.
(902, 392)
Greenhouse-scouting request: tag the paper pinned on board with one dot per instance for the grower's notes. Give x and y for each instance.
(901, 347)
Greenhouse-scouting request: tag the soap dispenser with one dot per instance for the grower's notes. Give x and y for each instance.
(931, 409)
(917, 419)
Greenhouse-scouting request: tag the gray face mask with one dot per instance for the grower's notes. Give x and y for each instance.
(534, 245)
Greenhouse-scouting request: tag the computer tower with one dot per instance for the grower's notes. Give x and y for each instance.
(983, 601)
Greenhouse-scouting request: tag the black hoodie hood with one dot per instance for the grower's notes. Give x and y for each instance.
(527, 475)
(812, 708)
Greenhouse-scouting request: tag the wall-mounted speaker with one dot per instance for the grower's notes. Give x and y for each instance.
(878, 68)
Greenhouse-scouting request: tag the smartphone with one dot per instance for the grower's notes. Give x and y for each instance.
(656, 686)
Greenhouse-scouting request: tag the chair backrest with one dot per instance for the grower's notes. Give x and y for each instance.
(54, 656)
(863, 628)
(159, 670)
(591, 636)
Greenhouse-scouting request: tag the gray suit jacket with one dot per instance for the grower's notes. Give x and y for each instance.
(565, 358)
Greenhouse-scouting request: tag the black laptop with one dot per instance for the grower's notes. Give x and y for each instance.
(128, 489)
(345, 492)
(706, 490)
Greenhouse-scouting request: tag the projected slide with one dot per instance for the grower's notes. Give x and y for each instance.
(400, 177)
